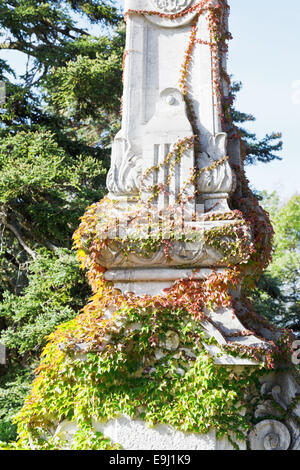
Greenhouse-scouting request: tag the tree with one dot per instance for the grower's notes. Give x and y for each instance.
(278, 292)
(55, 129)
(51, 124)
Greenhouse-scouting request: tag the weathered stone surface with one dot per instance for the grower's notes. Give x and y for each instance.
(136, 435)
(270, 435)
(154, 109)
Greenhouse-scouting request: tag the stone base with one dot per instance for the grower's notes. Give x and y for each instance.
(223, 324)
(136, 435)
(153, 281)
(279, 388)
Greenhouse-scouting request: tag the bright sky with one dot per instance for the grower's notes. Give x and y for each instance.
(264, 55)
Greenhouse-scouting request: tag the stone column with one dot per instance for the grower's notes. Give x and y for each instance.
(173, 92)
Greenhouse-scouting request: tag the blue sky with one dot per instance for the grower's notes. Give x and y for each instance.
(264, 55)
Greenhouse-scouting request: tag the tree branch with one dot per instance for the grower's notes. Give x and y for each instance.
(9, 45)
(51, 246)
(17, 234)
(67, 31)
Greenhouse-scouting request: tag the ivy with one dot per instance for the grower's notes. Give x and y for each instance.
(128, 368)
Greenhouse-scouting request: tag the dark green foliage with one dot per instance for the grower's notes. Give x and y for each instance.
(14, 386)
(54, 126)
(56, 290)
(54, 294)
(44, 30)
(277, 296)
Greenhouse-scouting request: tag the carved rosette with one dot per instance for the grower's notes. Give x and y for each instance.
(171, 6)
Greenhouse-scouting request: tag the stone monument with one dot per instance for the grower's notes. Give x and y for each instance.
(169, 354)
